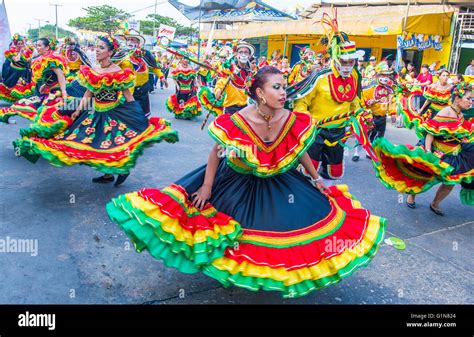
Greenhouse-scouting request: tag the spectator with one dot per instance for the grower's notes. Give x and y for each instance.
(370, 69)
(425, 78)
(470, 69)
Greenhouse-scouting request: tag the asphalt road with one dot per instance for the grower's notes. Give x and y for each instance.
(82, 257)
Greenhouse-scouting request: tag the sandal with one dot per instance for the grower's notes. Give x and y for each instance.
(436, 211)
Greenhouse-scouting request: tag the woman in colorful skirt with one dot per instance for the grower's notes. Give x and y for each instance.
(16, 73)
(112, 136)
(49, 74)
(184, 104)
(445, 155)
(437, 95)
(249, 218)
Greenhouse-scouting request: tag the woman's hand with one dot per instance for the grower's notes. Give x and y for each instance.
(75, 114)
(320, 186)
(201, 196)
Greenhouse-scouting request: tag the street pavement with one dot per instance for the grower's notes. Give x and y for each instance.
(84, 258)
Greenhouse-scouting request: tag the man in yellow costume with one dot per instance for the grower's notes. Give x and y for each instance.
(235, 73)
(142, 62)
(303, 67)
(332, 92)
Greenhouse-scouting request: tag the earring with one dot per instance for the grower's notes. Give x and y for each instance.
(264, 101)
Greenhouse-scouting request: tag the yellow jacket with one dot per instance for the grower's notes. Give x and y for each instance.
(295, 74)
(320, 104)
(380, 108)
(234, 96)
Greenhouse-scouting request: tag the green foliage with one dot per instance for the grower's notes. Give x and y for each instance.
(100, 18)
(48, 31)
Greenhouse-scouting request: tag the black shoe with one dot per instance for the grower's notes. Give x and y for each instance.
(436, 211)
(355, 158)
(325, 176)
(411, 205)
(368, 157)
(120, 179)
(103, 179)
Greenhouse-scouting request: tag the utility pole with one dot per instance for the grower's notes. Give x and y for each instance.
(199, 31)
(39, 27)
(56, 8)
(154, 19)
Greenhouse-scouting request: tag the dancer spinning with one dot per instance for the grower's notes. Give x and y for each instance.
(49, 74)
(184, 104)
(445, 155)
(110, 138)
(232, 220)
(16, 73)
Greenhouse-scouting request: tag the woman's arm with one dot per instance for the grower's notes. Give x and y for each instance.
(428, 141)
(305, 160)
(204, 192)
(425, 105)
(128, 95)
(61, 80)
(85, 98)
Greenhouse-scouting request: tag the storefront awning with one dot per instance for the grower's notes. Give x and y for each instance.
(367, 21)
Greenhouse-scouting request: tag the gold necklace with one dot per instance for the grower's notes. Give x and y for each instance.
(266, 117)
(458, 112)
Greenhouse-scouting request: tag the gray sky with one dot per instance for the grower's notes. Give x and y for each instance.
(23, 13)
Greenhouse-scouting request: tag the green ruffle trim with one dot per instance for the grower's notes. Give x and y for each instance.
(44, 131)
(51, 64)
(147, 233)
(300, 289)
(206, 92)
(114, 87)
(31, 152)
(467, 196)
(383, 145)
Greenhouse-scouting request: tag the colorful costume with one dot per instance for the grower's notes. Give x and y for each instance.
(142, 62)
(248, 234)
(439, 99)
(46, 82)
(411, 170)
(377, 98)
(184, 104)
(302, 68)
(325, 99)
(232, 84)
(110, 138)
(16, 73)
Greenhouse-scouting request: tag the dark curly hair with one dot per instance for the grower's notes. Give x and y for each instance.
(260, 78)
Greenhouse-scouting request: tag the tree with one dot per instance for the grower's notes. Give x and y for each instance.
(48, 31)
(100, 18)
(146, 26)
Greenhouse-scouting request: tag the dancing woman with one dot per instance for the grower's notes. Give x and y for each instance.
(249, 218)
(445, 155)
(16, 73)
(112, 136)
(184, 104)
(49, 74)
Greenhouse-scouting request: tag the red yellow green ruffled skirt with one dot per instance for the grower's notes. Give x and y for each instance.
(110, 142)
(411, 170)
(184, 106)
(209, 102)
(261, 241)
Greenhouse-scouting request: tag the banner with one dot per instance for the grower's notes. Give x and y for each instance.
(5, 36)
(419, 41)
(166, 31)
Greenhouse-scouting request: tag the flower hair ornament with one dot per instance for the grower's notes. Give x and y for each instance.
(460, 89)
(17, 37)
(53, 43)
(249, 81)
(110, 41)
